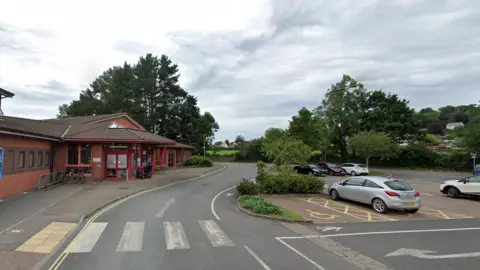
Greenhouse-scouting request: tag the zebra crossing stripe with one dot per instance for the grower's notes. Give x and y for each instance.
(132, 237)
(217, 237)
(88, 238)
(175, 236)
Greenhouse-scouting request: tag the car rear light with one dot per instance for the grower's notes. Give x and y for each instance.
(356, 167)
(417, 194)
(392, 194)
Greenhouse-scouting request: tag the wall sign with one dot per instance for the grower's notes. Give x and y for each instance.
(1, 163)
(97, 159)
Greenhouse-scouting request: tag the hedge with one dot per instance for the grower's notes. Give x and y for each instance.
(198, 161)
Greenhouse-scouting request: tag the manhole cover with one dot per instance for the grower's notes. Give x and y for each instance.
(88, 188)
(15, 231)
(123, 188)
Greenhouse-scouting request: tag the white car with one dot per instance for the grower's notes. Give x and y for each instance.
(466, 186)
(355, 168)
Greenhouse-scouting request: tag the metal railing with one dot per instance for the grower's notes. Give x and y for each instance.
(50, 179)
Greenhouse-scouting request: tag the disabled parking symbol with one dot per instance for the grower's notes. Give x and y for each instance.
(321, 215)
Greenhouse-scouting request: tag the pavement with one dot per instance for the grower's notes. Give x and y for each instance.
(35, 223)
(197, 225)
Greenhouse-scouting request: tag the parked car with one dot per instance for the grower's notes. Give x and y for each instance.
(355, 168)
(468, 186)
(311, 169)
(380, 192)
(476, 170)
(332, 169)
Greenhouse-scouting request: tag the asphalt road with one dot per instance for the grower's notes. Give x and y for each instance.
(424, 176)
(181, 227)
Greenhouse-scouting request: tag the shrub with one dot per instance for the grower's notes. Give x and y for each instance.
(259, 205)
(282, 184)
(247, 188)
(198, 161)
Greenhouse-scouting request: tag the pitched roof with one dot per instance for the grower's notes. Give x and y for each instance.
(181, 145)
(32, 127)
(104, 133)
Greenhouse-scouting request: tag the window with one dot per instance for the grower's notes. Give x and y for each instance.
(31, 159)
(72, 154)
(398, 185)
(40, 159)
(355, 182)
(21, 159)
(371, 184)
(85, 154)
(474, 179)
(47, 158)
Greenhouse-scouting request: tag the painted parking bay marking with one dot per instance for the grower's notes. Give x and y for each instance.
(427, 254)
(347, 210)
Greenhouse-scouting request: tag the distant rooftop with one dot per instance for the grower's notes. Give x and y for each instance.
(5, 94)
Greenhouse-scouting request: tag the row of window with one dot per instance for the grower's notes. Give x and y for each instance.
(42, 158)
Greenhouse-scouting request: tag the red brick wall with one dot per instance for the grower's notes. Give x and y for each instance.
(171, 151)
(21, 180)
(186, 154)
(60, 157)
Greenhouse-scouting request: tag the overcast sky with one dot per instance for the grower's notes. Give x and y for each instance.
(251, 63)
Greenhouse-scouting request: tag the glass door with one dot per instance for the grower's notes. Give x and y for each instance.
(117, 165)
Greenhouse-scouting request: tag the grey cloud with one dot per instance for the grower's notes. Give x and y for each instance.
(424, 51)
(134, 47)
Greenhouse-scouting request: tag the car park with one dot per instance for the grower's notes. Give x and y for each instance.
(355, 168)
(332, 169)
(381, 193)
(311, 169)
(468, 186)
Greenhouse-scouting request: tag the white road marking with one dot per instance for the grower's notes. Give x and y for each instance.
(229, 194)
(301, 254)
(426, 254)
(164, 208)
(88, 238)
(132, 237)
(175, 236)
(212, 204)
(260, 261)
(399, 232)
(217, 237)
(326, 229)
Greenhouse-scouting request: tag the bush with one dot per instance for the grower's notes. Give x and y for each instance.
(198, 161)
(259, 205)
(281, 184)
(247, 188)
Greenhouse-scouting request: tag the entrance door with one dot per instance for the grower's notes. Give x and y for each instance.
(117, 165)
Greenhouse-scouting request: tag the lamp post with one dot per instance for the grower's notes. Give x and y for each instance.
(204, 139)
(474, 155)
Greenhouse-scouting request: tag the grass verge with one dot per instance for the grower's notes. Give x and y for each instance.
(261, 207)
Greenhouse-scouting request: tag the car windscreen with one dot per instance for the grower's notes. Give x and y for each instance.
(398, 185)
(313, 166)
(331, 165)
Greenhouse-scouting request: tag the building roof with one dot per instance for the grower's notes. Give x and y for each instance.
(181, 145)
(32, 127)
(5, 93)
(454, 125)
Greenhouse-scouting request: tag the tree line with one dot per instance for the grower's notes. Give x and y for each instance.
(353, 122)
(150, 93)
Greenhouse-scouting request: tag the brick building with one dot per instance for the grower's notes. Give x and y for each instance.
(100, 147)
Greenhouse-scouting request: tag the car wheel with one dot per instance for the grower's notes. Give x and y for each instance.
(334, 194)
(354, 173)
(453, 192)
(411, 211)
(379, 206)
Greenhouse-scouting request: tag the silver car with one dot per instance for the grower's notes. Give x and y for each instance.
(380, 192)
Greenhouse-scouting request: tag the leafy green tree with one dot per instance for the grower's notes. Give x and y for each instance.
(240, 141)
(273, 134)
(150, 93)
(227, 142)
(252, 152)
(286, 151)
(390, 114)
(342, 109)
(435, 128)
(371, 144)
(311, 129)
(471, 139)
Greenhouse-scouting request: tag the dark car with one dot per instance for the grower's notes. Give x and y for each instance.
(332, 169)
(312, 169)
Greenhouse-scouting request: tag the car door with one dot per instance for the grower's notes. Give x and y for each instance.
(369, 191)
(347, 167)
(472, 186)
(351, 189)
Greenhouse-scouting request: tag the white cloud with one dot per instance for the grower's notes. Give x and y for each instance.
(252, 63)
